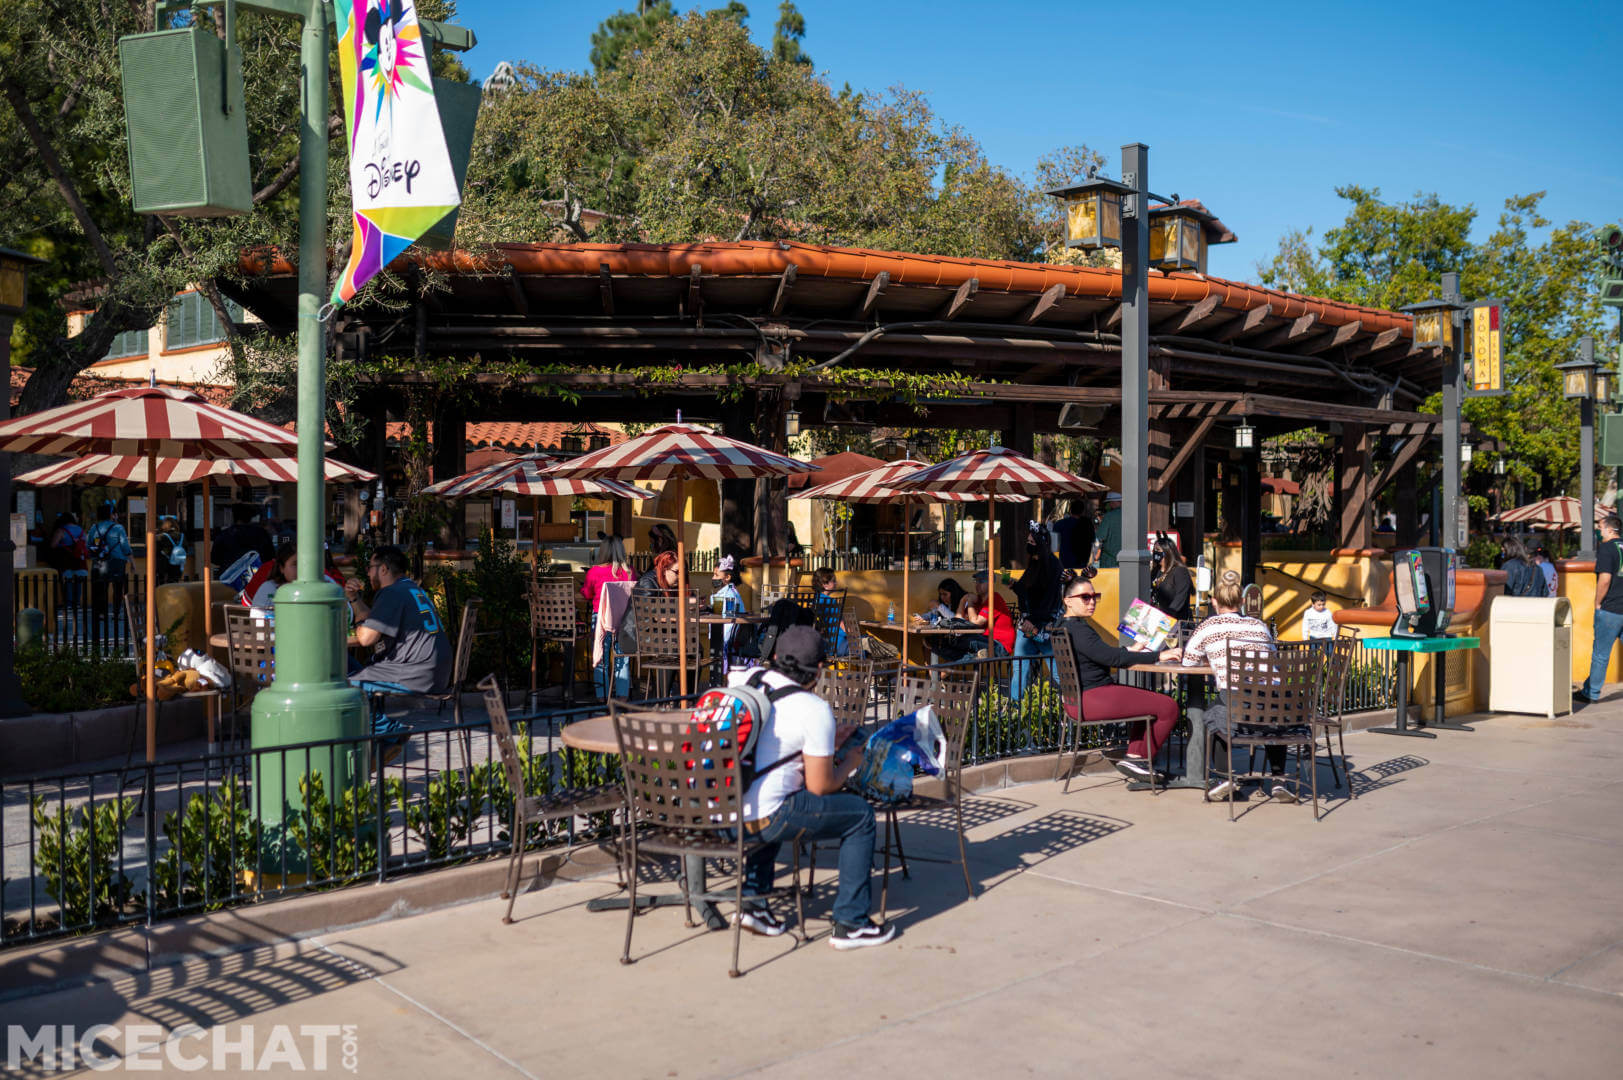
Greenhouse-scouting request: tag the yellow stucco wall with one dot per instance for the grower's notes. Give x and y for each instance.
(1576, 581)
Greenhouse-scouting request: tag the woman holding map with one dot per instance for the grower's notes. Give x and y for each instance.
(1105, 699)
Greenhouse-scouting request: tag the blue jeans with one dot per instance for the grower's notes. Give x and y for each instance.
(803, 816)
(1027, 651)
(622, 668)
(1608, 625)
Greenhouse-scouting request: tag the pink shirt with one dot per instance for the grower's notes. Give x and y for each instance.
(596, 576)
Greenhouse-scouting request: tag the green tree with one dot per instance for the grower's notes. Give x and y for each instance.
(1388, 255)
(788, 34)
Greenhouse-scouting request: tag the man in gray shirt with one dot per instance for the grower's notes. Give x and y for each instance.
(413, 651)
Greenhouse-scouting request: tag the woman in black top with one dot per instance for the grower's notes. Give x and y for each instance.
(1172, 588)
(1038, 593)
(1105, 699)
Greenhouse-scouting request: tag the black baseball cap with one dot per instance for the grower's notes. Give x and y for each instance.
(799, 647)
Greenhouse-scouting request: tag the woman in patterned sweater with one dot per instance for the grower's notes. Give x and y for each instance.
(1209, 645)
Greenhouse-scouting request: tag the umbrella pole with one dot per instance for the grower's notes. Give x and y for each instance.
(907, 569)
(151, 588)
(681, 585)
(535, 563)
(208, 604)
(991, 576)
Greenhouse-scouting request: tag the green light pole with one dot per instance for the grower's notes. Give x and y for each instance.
(309, 700)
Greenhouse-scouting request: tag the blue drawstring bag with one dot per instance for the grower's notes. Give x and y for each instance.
(908, 744)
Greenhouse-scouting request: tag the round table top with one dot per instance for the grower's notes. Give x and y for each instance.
(897, 627)
(744, 618)
(1174, 668)
(222, 640)
(594, 734)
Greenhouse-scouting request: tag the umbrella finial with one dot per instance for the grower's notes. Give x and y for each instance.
(678, 416)
(152, 377)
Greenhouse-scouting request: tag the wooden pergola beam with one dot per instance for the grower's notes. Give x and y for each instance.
(961, 296)
(1179, 321)
(1043, 304)
(515, 292)
(1404, 455)
(786, 281)
(605, 288)
(1339, 336)
(1284, 335)
(695, 304)
(1241, 325)
(1379, 343)
(1187, 450)
(876, 289)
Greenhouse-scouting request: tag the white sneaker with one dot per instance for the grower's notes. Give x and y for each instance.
(1283, 794)
(860, 937)
(760, 921)
(1134, 768)
(1220, 790)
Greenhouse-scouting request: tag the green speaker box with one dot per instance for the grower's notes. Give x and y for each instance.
(1611, 440)
(188, 130)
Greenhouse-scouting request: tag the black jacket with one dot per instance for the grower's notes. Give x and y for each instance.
(1173, 593)
(1094, 658)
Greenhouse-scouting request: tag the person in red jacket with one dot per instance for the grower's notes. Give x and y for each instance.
(974, 609)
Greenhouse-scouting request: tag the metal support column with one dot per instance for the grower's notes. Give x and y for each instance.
(1586, 478)
(1452, 536)
(1134, 559)
(11, 690)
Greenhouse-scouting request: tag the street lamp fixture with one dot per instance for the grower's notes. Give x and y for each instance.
(1245, 436)
(1605, 385)
(1177, 236)
(1499, 466)
(1433, 323)
(14, 281)
(1093, 211)
(1467, 452)
(791, 422)
(1578, 379)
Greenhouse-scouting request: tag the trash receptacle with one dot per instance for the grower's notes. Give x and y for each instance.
(1531, 639)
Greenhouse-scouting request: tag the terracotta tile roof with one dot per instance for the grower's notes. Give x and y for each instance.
(516, 435)
(86, 386)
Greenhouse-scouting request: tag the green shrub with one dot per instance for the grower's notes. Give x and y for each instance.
(537, 778)
(77, 853)
(339, 840)
(500, 580)
(65, 681)
(211, 844)
(443, 815)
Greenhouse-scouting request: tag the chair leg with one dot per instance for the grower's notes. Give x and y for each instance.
(631, 885)
(1346, 769)
(884, 881)
(1228, 757)
(1330, 753)
(510, 894)
(901, 852)
(800, 897)
(963, 856)
(1313, 779)
(738, 908)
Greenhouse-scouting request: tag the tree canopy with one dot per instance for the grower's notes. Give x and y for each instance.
(1389, 254)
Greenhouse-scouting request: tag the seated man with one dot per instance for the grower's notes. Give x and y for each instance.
(798, 796)
(412, 651)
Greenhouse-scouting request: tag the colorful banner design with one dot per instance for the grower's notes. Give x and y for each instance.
(400, 175)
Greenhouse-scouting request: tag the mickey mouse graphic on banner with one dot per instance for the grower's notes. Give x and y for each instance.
(400, 177)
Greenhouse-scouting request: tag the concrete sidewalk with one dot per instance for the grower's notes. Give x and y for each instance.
(1463, 917)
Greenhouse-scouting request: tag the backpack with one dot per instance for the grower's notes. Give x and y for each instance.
(733, 717)
(106, 558)
(784, 614)
(73, 540)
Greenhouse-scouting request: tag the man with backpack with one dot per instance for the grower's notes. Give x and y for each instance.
(796, 793)
(109, 561)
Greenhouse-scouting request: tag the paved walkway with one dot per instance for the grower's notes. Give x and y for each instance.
(1462, 918)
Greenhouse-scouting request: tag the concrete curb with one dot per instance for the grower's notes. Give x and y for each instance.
(48, 742)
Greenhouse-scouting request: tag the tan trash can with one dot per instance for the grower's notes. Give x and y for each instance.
(1531, 641)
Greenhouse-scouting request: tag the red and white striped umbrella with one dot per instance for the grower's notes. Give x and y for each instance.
(161, 420)
(131, 469)
(681, 452)
(874, 486)
(1555, 512)
(996, 470)
(527, 475)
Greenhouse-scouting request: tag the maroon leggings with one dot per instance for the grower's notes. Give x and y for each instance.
(1115, 702)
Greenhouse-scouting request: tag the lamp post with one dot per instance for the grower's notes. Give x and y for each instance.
(13, 300)
(1101, 212)
(1579, 383)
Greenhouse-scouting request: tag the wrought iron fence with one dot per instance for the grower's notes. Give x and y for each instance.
(89, 850)
(85, 616)
(698, 562)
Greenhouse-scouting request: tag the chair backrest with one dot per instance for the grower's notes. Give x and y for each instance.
(1065, 670)
(1272, 686)
(846, 684)
(552, 608)
(135, 616)
(251, 646)
(1337, 666)
(502, 731)
(679, 773)
(951, 693)
(464, 645)
(654, 617)
(829, 609)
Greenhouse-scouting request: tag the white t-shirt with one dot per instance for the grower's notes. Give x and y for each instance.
(800, 722)
(1318, 625)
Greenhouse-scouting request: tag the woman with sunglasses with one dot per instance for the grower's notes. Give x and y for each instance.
(1105, 699)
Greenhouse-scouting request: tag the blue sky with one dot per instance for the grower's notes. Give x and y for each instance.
(1258, 109)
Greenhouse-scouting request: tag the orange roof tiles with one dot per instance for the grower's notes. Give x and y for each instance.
(516, 435)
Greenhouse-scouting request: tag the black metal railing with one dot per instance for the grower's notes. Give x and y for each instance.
(89, 850)
(698, 562)
(87, 618)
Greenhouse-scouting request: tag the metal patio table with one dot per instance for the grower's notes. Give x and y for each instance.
(1406, 648)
